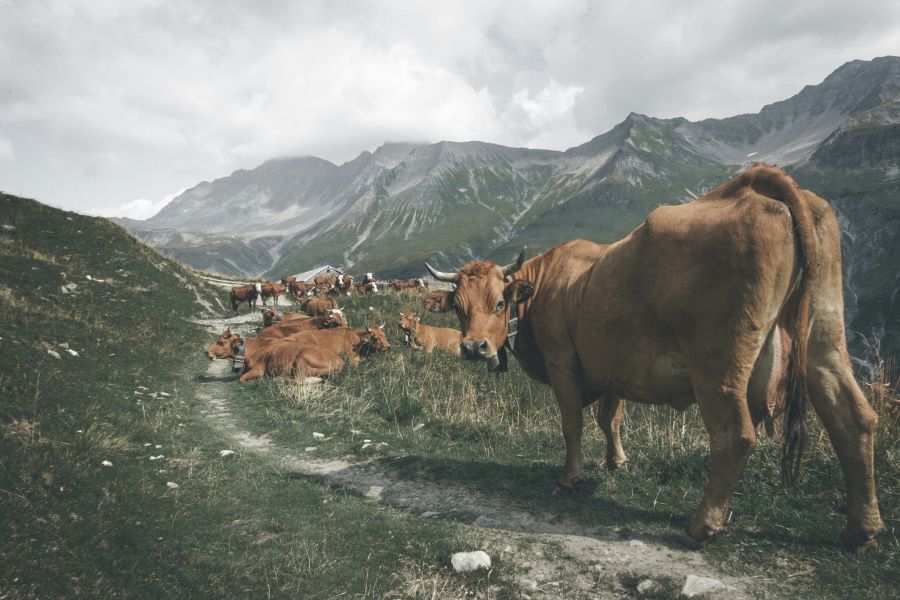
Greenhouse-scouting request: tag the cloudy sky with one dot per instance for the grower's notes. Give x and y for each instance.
(114, 106)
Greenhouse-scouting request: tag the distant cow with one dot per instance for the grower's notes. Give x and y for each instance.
(428, 338)
(439, 301)
(399, 285)
(344, 284)
(287, 280)
(271, 290)
(245, 293)
(366, 288)
(299, 289)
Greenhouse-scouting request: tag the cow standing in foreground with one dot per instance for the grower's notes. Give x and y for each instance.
(428, 338)
(727, 301)
(245, 293)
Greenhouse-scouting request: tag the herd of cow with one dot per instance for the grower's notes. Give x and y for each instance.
(318, 342)
(322, 286)
(733, 301)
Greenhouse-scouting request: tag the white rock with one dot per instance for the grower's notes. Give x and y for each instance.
(596, 568)
(366, 445)
(484, 521)
(418, 426)
(463, 562)
(172, 485)
(164, 394)
(318, 436)
(367, 441)
(72, 352)
(158, 446)
(53, 353)
(106, 463)
(310, 449)
(156, 457)
(381, 444)
(637, 544)
(356, 432)
(644, 586)
(224, 453)
(697, 586)
(527, 584)
(428, 514)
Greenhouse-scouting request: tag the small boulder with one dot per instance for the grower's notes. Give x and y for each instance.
(463, 562)
(527, 584)
(697, 586)
(644, 586)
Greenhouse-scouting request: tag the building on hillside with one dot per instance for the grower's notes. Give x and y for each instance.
(309, 276)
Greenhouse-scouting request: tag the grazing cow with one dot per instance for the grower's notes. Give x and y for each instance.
(271, 290)
(245, 293)
(354, 344)
(299, 289)
(316, 306)
(426, 337)
(399, 285)
(344, 284)
(439, 301)
(365, 288)
(287, 280)
(723, 301)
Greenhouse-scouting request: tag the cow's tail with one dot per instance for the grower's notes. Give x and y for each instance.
(775, 183)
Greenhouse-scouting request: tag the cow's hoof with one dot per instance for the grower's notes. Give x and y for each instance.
(686, 540)
(859, 541)
(562, 492)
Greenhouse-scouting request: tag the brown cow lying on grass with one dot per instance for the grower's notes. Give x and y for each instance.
(426, 337)
(438, 301)
(318, 306)
(333, 319)
(322, 350)
(282, 330)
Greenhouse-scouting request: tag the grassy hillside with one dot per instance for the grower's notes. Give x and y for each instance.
(100, 363)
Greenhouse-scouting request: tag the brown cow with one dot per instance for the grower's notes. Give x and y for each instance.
(439, 301)
(426, 337)
(329, 321)
(344, 284)
(270, 316)
(399, 285)
(287, 280)
(316, 306)
(366, 288)
(245, 293)
(712, 302)
(352, 343)
(299, 289)
(271, 290)
(221, 347)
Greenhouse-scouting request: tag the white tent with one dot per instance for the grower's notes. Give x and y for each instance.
(308, 276)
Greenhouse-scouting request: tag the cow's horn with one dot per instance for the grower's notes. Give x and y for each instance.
(441, 275)
(515, 266)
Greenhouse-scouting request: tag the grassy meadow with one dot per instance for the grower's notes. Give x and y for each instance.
(112, 482)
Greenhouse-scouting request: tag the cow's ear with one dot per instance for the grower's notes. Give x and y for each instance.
(518, 291)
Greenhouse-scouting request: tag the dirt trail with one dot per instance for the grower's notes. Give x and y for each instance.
(563, 559)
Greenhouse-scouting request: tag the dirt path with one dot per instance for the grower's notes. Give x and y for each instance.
(556, 558)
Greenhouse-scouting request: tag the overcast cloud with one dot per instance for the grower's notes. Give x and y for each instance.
(113, 107)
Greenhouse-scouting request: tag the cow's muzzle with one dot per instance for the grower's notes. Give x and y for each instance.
(474, 349)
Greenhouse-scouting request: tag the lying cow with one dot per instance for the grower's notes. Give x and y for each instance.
(270, 316)
(438, 301)
(428, 338)
(330, 321)
(245, 293)
(723, 301)
(317, 306)
(353, 344)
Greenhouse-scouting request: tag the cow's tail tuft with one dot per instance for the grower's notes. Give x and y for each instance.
(775, 183)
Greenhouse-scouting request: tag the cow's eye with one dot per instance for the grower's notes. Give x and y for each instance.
(500, 305)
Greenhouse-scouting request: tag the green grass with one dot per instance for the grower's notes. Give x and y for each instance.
(500, 435)
(234, 527)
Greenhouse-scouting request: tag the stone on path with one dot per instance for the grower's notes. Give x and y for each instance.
(697, 586)
(463, 562)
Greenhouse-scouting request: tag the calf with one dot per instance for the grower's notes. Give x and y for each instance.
(425, 337)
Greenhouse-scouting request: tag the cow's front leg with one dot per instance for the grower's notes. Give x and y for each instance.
(568, 396)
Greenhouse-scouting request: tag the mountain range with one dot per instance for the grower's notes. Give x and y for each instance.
(448, 202)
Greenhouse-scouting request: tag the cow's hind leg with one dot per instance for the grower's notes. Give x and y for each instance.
(609, 418)
(850, 423)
